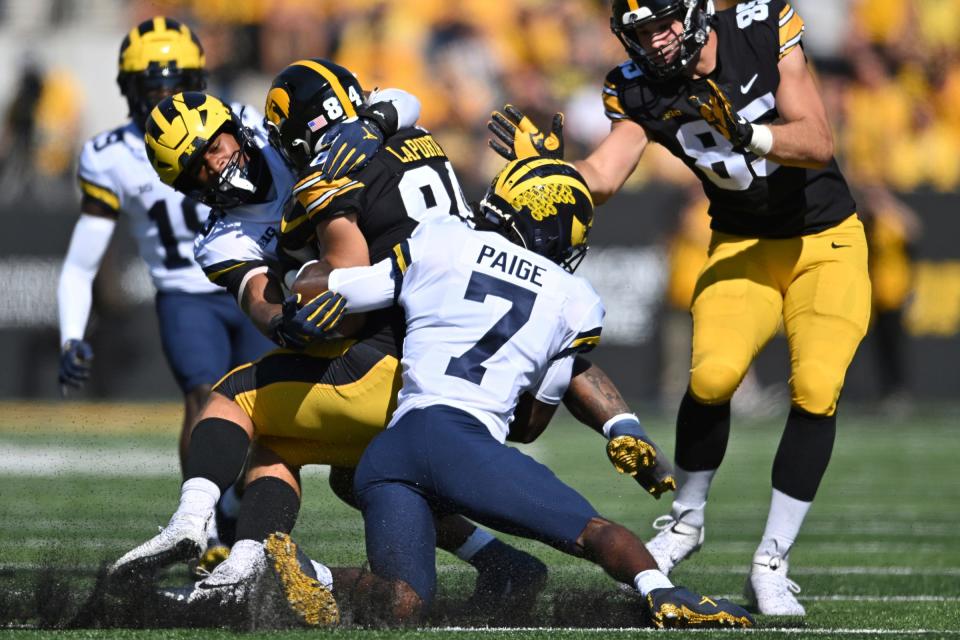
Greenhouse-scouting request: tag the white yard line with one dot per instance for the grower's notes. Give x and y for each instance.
(108, 462)
(782, 630)
(741, 570)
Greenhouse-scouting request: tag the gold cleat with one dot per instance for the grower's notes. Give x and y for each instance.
(312, 602)
(629, 454)
(680, 608)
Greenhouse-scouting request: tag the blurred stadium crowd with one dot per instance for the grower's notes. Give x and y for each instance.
(889, 72)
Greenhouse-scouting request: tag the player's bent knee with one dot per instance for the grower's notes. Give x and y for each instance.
(815, 389)
(713, 382)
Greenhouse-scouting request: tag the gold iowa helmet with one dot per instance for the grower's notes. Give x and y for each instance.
(178, 132)
(306, 99)
(159, 57)
(541, 204)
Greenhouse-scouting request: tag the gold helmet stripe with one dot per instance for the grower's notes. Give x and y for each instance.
(633, 4)
(338, 89)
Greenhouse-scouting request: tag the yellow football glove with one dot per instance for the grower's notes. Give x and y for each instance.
(644, 462)
(517, 137)
(716, 109)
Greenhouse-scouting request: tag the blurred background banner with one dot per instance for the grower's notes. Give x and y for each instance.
(889, 72)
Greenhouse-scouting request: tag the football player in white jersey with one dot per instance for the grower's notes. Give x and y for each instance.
(488, 321)
(203, 334)
(198, 146)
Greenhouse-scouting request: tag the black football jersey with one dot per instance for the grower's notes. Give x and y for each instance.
(409, 181)
(749, 195)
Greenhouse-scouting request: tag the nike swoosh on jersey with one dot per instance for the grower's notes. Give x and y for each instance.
(744, 88)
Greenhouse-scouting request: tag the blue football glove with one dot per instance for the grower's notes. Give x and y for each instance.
(76, 359)
(348, 146)
(296, 327)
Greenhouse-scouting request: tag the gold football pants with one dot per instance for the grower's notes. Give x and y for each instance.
(319, 406)
(817, 284)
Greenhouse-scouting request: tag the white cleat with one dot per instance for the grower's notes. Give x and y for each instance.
(770, 590)
(230, 584)
(675, 543)
(183, 539)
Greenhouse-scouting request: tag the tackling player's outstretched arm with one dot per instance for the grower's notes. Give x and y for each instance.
(611, 163)
(802, 136)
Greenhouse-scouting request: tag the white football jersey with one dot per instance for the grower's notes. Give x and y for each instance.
(486, 319)
(115, 171)
(240, 242)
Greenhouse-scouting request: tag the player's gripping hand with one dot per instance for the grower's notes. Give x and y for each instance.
(515, 136)
(348, 146)
(76, 360)
(716, 109)
(641, 459)
(297, 326)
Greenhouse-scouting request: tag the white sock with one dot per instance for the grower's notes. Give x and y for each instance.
(647, 581)
(783, 524)
(198, 497)
(230, 502)
(691, 497)
(477, 540)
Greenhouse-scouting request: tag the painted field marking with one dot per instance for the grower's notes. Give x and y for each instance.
(782, 630)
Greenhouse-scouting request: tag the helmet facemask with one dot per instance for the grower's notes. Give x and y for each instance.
(241, 179)
(681, 51)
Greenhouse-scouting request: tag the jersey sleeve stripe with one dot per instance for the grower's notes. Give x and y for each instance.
(791, 30)
(219, 269)
(400, 259)
(612, 104)
(583, 343)
(401, 256)
(100, 193)
(323, 200)
(615, 116)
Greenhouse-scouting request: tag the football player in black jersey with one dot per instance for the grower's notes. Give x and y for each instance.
(731, 95)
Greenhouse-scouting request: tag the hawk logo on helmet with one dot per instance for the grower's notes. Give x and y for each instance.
(305, 100)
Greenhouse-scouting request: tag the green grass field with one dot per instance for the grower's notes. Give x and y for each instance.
(879, 554)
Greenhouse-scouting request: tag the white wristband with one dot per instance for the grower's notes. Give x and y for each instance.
(762, 141)
(632, 417)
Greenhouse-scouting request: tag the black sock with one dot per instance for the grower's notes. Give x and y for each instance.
(269, 505)
(702, 434)
(803, 454)
(217, 451)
